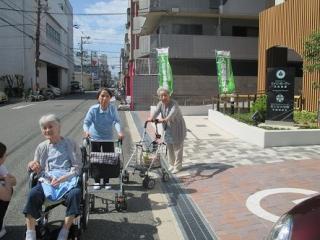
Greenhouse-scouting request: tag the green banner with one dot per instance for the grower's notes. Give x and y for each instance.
(225, 74)
(164, 69)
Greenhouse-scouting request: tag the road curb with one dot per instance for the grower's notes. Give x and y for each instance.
(166, 223)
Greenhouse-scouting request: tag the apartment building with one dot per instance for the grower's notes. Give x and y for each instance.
(18, 20)
(193, 30)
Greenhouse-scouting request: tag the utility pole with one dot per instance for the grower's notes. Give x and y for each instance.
(81, 57)
(81, 60)
(37, 53)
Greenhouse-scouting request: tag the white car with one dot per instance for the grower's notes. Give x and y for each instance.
(3, 97)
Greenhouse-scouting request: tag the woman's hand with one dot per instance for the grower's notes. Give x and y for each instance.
(34, 166)
(56, 181)
(86, 134)
(10, 180)
(120, 136)
(162, 120)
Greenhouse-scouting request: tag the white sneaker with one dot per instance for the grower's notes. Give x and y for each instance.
(170, 168)
(3, 231)
(31, 235)
(96, 186)
(107, 187)
(176, 170)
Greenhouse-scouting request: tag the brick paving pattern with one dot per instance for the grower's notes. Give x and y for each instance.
(220, 172)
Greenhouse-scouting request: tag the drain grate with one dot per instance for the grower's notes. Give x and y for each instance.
(193, 224)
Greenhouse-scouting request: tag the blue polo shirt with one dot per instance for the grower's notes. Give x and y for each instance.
(99, 123)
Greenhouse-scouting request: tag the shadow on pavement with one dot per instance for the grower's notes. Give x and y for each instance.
(14, 233)
(104, 229)
(203, 171)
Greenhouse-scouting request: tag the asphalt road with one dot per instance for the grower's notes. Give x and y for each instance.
(19, 130)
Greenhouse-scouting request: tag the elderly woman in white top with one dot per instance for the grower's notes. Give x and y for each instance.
(58, 161)
(174, 127)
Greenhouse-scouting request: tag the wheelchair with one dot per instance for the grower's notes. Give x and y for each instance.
(80, 223)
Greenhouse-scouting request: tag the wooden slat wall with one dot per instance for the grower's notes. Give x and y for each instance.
(288, 25)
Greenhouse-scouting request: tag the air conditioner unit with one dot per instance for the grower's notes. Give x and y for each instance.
(175, 10)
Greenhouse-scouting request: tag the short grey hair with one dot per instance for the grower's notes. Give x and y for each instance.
(163, 89)
(48, 118)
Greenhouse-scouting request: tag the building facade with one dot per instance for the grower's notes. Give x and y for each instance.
(284, 29)
(18, 42)
(193, 30)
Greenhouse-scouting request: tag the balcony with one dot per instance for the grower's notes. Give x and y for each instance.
(231, 7)
(198, 46)
(138, 23)
(147, 6)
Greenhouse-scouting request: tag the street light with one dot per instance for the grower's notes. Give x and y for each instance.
(81, 56)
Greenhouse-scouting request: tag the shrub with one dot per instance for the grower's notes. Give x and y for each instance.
(260, 106)
(305, 118)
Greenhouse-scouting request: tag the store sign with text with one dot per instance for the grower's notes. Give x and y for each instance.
(280, 94)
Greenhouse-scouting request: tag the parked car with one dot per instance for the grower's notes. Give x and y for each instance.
(75, 87)
(302, 222)
(3, 97)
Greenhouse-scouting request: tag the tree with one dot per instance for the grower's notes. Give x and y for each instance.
(312, 52)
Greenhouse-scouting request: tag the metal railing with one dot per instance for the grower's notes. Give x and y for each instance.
(238, 102)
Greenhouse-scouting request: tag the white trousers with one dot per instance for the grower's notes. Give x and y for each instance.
(175, 152)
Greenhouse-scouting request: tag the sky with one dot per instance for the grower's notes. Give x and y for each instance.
(106, 32)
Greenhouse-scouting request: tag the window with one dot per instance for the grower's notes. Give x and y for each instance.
(188, 29)
(214, 4)
(240, 31)
(53, 34)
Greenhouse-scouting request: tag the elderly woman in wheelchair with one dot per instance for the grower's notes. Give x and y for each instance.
(57, 164)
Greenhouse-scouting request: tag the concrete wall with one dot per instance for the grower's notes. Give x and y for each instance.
(261, 137)
(145, 87)
(17, 48)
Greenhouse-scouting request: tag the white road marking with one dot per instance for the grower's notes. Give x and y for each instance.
(23, 106)
(253, 201)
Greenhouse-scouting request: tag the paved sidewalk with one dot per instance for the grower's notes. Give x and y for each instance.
(220, 172)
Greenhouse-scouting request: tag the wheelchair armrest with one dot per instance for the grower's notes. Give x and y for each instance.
(33, 179)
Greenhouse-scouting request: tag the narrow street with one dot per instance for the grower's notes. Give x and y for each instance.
(20, 132)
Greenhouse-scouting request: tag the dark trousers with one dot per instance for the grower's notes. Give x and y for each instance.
(3, 209)
(36, 198)
(96, 169)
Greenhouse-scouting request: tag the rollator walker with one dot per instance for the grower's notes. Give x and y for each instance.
(146, 157)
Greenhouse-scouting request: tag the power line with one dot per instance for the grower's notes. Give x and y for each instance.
(18, 24)
(12, 25)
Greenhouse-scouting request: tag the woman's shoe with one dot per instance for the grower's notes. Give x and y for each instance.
(96, 186)
(107, 186)
(176, 170)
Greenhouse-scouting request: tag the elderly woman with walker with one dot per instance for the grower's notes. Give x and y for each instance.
(98, 126)
(174, 128)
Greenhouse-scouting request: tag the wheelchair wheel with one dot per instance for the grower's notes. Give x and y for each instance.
(165, 176)
(120, 203)
(86, 212)
(125, 177)
(74, 232)
(91, 202)
(42, 232)
(148, 183)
